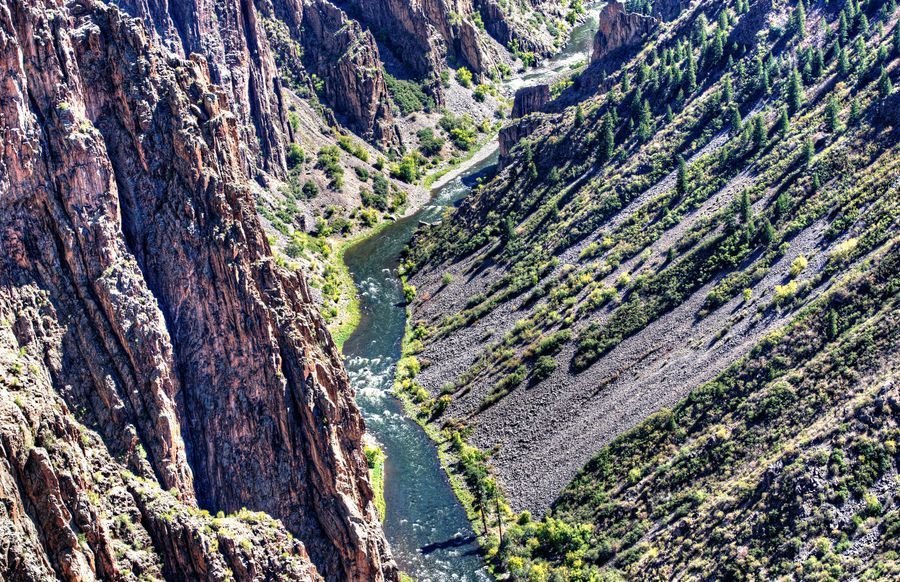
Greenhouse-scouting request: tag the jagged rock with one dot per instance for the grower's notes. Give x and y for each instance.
(619, 31)
(145, 325)
(230, 37)
(346, 58)
(512, 134)
(530, 99)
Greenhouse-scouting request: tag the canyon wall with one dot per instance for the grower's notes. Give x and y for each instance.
(157, 365)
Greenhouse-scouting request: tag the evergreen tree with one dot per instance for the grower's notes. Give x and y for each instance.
(783, 124)
(897, 41)
(758, 132)
(833, 329)
(809, 151)
(843, 62)
(855, 110)
(691, 73)
(782, 205)
(727, 90)
(745, 207)
(718, 47)
(884, 84)
(794, 92)
(607, 140)
(735, 120)
(645, 120)
(669, 115)
(766, 232)
(798, 20)
(832, 111)
(579, 115)
(762, 77)
(843, 28)
(681, 178)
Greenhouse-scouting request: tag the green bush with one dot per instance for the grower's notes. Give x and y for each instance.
(408, 95)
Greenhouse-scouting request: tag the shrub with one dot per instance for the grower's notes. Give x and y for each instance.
(295, 156)
(429, 144)
(785, 293)
(329, 162)
(544, 366)
(409, 292)
(464, 76)
(798, 265)
(310, 190)
(408, 95)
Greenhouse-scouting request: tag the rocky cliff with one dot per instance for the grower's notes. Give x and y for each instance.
(347, 60)
(617, 32)
(148, 340)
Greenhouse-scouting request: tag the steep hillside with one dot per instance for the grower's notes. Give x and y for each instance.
(156, 365)
(716, 176)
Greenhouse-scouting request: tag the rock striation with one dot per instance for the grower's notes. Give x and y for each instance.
(346, 58)
(156, 364)
(530, 99)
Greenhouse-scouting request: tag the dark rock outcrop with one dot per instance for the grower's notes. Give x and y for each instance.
(530, 99)
(618, 32)
(148, 339)
(346, 58)
(230, 36)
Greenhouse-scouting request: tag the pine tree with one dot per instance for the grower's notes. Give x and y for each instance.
(884, 84)
(579, 115)
(717, 48)
(784, 123)
(735, 120)
(843, 28)
(843, 62)
(798, 20)
(645, 120)
(897, 40)
(669, 115)
(794, 92)
(681, 178)
(809, 151)
(691, 74)
(855, 110)
(727, 90)
(607, 140)
(762, 77)
(626, 84)
(766, 232)
(832, 111)
(833, 329)
(745, 207)
(782, 205)
(758, 132)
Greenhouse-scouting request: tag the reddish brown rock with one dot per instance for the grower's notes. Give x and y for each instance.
(146, 327)
(346, 58)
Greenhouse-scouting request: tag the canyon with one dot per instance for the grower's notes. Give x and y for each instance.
(449, 290)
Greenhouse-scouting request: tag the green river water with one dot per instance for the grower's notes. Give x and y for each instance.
(427, 528)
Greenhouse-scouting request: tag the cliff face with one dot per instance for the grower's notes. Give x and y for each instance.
(347, 59)
(619, 31)
(230, 35)
(148, 340)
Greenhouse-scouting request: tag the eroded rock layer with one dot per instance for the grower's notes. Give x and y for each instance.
(148, 340)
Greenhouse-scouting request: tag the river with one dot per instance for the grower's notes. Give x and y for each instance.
(427, 528)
